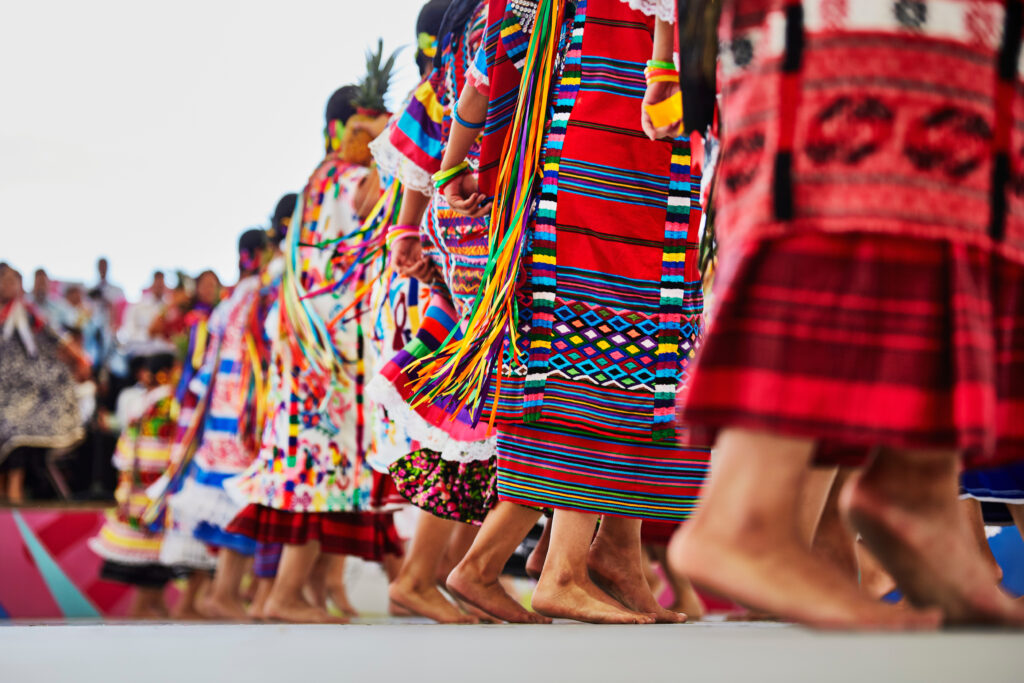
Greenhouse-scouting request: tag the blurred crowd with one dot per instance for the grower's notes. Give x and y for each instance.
(100, 340)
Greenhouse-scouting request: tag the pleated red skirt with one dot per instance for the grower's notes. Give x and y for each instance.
(368, 535)
(864, 340)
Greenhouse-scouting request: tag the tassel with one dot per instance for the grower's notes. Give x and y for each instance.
(459, 373)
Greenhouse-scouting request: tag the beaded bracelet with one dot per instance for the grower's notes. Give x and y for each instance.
(398, 232)
(463, 122)
(442, 178)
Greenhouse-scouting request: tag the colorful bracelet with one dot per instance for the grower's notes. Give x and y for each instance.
(442, 178)
(660, 75)
(463, 122)
(398, 232)
(660, 64)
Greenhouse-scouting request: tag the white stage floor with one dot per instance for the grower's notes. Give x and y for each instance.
(423, 653)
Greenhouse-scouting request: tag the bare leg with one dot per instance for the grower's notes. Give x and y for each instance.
(535, 562)
(565, 589)
(459, 544)
(833, 540)
(334, 584)
(616, 564)
(16, 486)
(259, 597)
(286, 601)
(814, 497)
(224, 600)
(746, 542)
(1017, 513)
(905, 507)
(148, 603)
(186, 608)
(975, 521)
(685, 598)
(476, 579)
(415, 587)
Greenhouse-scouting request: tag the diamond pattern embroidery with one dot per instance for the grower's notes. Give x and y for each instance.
(604, 346)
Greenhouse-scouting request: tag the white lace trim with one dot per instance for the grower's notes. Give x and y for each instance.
(384, 394)
(662, 9)
(392, 162)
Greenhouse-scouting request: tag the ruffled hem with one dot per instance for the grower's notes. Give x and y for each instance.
(182, 550)
(197, 503)
(661, 9)
(392, 162)
(383, 393)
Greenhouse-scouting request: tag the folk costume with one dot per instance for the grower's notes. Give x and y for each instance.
(891, 314)
(603, 321)
(311, 481)
(451, 473)
(129, 548)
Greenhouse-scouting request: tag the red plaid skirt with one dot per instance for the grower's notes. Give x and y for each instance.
(860, 340)
(368, 535)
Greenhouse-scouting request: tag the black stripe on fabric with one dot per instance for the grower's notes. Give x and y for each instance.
(794, 53)
(1000, 177)
(608, 129)
(1009, 52)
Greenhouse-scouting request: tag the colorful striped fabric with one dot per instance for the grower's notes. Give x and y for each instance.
(610, 311)
(539, 465)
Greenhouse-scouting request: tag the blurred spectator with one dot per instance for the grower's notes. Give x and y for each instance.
(57, 313)
(139, 317)
(110, 293)
(38, 406)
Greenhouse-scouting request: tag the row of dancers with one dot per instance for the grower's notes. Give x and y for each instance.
(489, 305)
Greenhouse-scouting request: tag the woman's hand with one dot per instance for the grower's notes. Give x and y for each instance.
(659, 92)
(464, 196)
(406, 254)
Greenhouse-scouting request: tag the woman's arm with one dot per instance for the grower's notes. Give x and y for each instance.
(463, 193)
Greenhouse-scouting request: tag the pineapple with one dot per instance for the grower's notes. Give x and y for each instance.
(371, 113)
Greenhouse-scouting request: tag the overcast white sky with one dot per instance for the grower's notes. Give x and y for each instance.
(155, 132)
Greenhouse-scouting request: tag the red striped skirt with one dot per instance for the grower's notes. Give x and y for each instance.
(861, 340)
(368, 535)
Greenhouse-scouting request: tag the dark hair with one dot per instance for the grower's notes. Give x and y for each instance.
(136, 364)
(429, 22)
(284, 210)
(455, 18)
(160, 362)
(341, 106)
(205, 273)
(252, 240)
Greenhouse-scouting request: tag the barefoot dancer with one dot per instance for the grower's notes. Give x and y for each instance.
(130, 551)
(865, 265)
(451, 475)
(310, 485)
(230, 389)
(605, 322)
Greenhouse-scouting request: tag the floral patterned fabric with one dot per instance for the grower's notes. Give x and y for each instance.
(460, 491)
(313, 457)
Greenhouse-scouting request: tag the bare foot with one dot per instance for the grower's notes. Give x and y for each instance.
(490, 597)
(783, 578)
(568, 598)
(929, 552)
(622, 578)
(874, 580)
(339, 596)
(480, 615)
(220, 609)
(426, 601)
(688, 602)
(186, 612)
(297, 611)
(396, 610)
